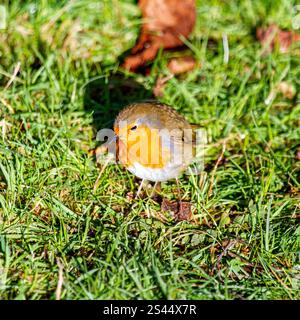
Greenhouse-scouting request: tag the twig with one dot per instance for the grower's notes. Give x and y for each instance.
(13, 77)
(230, 245)
(109, 158)
(160, 84)
(278, 278)
(60, 279)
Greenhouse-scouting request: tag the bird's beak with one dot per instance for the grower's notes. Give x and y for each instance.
(121, 133)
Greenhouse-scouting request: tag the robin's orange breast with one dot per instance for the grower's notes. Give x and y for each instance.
(144, 147)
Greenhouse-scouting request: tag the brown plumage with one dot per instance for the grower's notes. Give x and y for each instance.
(161, 116)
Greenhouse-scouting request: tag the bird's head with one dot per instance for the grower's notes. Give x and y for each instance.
(134, 120)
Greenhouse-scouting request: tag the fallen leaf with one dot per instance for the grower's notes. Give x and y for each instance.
(185, 212)
(287, 90)
(272, 37)
(160, 85)
(165, 23)
(168, 205)
(180, 212)
(181, 65)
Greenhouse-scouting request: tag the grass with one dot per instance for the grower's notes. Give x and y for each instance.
(244, 239)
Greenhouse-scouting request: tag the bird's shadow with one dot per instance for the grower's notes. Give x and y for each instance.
(104, 97)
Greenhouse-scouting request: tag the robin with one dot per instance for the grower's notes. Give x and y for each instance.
(155, 142)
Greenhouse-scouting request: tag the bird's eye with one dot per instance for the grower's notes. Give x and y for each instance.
(133, 128)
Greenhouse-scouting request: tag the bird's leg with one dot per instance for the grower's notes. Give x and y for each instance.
(179, 194)
(156, 189)
(142, 185)
(140, 188)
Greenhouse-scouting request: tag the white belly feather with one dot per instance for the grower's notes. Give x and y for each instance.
(170, 171)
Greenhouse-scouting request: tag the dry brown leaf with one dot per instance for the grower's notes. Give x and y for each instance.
(185, 212)
(171, 206)
(166, 21)
(287, 90)
(179, 211)
(181, 65)
(273, 37)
